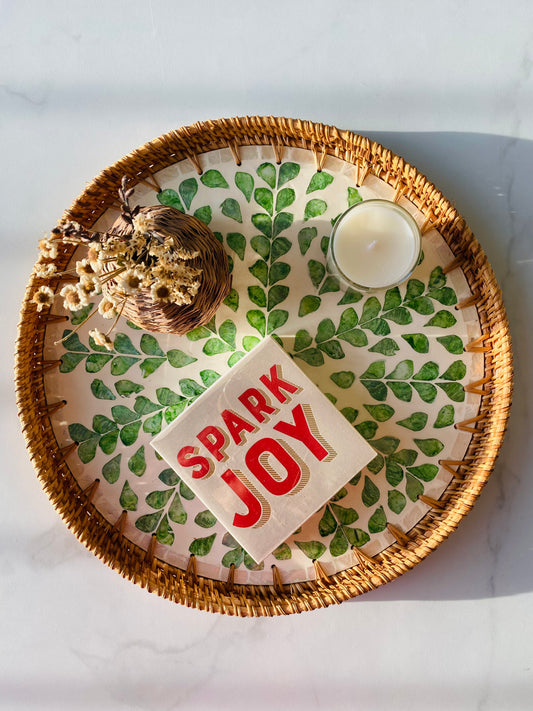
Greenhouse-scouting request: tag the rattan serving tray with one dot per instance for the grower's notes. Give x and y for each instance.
(423, 371)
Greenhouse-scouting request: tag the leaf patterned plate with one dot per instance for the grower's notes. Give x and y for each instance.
(392, 362)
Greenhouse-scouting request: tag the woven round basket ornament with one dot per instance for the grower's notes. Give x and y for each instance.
(422, 370)
(188, 234)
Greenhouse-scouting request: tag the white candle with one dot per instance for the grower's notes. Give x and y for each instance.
(374, 244)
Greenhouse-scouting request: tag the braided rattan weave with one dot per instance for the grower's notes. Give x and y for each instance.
(470, 475)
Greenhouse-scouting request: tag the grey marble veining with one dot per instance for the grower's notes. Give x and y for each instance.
(450, 89)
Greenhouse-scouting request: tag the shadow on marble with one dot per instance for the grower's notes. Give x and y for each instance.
(488, 178)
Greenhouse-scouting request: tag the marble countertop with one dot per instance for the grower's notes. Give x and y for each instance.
(449, 88)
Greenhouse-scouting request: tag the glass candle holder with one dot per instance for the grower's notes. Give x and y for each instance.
(374, 245)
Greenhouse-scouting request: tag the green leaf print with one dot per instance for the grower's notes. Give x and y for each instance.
(257, 296)
(261, 245)
(169, 477)
(278, 271)
(415, 422)
(285, 198)
(128, 498)
(103, 424)
(122, 415)
(453, 344)
(288, 171)
(100, 390)
(425, 472)
(353, 197)
(282, 552)
(73, 343)
(96, 361)
(376, 388)
(315, 208)
(231, 208)
(385, 445)
(69, 361)
(179, 359)
(376, 465)
(257, 320)
(232, 300)
(319, 181)
(399, 315)
(170, 198)
(309, 304)
(152, 425)
(137, 462)
(237, 242)
(371, 309)
(456, 371)
(442, 319)
(381, 413)
(148, 522)
(356, 536)
(80, 316)
(302, 340)
(111, 469)
(276, 319)
(351, 296)
(445, 417)
(176, 512)
(327, 524)
(120, 364)
(202, 546)
(312, 549)
(413, 487)
(375, 370)
(317, 272)
(454, 391)
(396, 501)
(144, 406)
(444, 295)
(325, 331)
(426, 391)
(401, 390)
(267, 172)
(233, 557)
(371, 493)
(422, 305)
(437, 279)
(305, 237)
(204, 214)
(387, 347)
(405, 457)
(311, 356)
(214, 179)
(129, 433)
(403, 371)
(265, 199)
(282, 221)
(164, 533)
(339, 544)
(280, 246)
(418, 341)
(393, 299)
(150, 365)
(150, 346)
(205, 519)
(333, 349)
(343, 379)
(188, 189)
(245, 183)
(378, 521)
(367, 429)
(250, 342)
(190, 388)
(79, 433)
(276, 295)
(259, 270)
(430, 447)
(158, 499)
(393, 472)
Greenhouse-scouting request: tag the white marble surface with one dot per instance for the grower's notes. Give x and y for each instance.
(449, 87)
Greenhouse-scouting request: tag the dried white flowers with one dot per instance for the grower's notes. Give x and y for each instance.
(121, 265)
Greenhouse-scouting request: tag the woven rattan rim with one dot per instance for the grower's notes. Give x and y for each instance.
(143, 567)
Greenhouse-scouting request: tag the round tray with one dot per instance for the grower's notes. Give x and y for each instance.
(423, 371)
